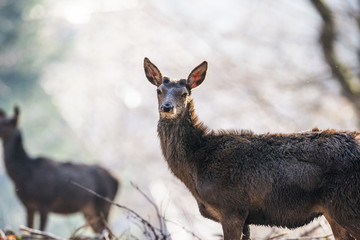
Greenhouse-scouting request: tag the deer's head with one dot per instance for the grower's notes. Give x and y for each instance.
(8, 124)
(174, 95)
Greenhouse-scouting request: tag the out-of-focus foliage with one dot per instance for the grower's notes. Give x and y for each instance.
(21, 55)
(24, 50)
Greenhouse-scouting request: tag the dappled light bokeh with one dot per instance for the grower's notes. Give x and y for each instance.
(77, 76)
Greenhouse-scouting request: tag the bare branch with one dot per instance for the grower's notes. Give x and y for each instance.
(183, 228)
(347, 80)
(160, 218)
(39, 233)
(73, 235)
(310, 231)
(307, 238)
(155, 231)
(277, 236)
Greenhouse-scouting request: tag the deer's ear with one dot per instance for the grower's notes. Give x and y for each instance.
(16, 115)
(152, 72)
(197, 75)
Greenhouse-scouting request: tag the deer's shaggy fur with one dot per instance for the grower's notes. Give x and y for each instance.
(240, 178)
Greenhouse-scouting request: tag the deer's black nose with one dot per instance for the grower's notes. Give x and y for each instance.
(167, 107)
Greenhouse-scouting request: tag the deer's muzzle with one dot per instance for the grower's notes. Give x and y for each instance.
(167, 107)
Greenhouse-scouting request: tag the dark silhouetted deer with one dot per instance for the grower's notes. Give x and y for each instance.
(43, 185)
(240, 178)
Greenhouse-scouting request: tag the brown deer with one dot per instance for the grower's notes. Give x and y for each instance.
(239, 178)
(44, 186)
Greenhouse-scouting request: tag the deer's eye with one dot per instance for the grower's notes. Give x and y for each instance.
(158, 91)
(184, 95)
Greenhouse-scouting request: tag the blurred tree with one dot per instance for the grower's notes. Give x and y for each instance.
(19, 50)
(347, 76)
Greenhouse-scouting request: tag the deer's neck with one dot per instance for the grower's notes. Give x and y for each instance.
(15, 156)
(180, 139)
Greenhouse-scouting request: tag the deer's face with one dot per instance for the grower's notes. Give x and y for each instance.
(173, 95)
(8, 124)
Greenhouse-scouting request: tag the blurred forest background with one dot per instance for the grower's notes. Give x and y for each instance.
(75, 68)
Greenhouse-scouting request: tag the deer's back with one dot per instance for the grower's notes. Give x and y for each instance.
(278, 176)
(49, 184)
(326, 150)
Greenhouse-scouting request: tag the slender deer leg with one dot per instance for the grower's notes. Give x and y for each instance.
(246, 233)
(233, 226)
(43, 218)
(93, 218)
(30, 217)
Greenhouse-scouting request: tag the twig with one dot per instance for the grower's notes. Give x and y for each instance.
(73, 235)
(125, 232)
(278, 236)
(153, 229)
(157, 233)
(160, 218)
(271, 234)
(308, 238)
(110, 233)
(303, 236)
(308, 232)
(183, 228)
(106, 235)
(39, 233)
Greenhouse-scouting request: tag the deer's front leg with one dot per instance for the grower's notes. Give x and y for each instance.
(246, 233)
(233, 225)
(43, 218)
(30, 217)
